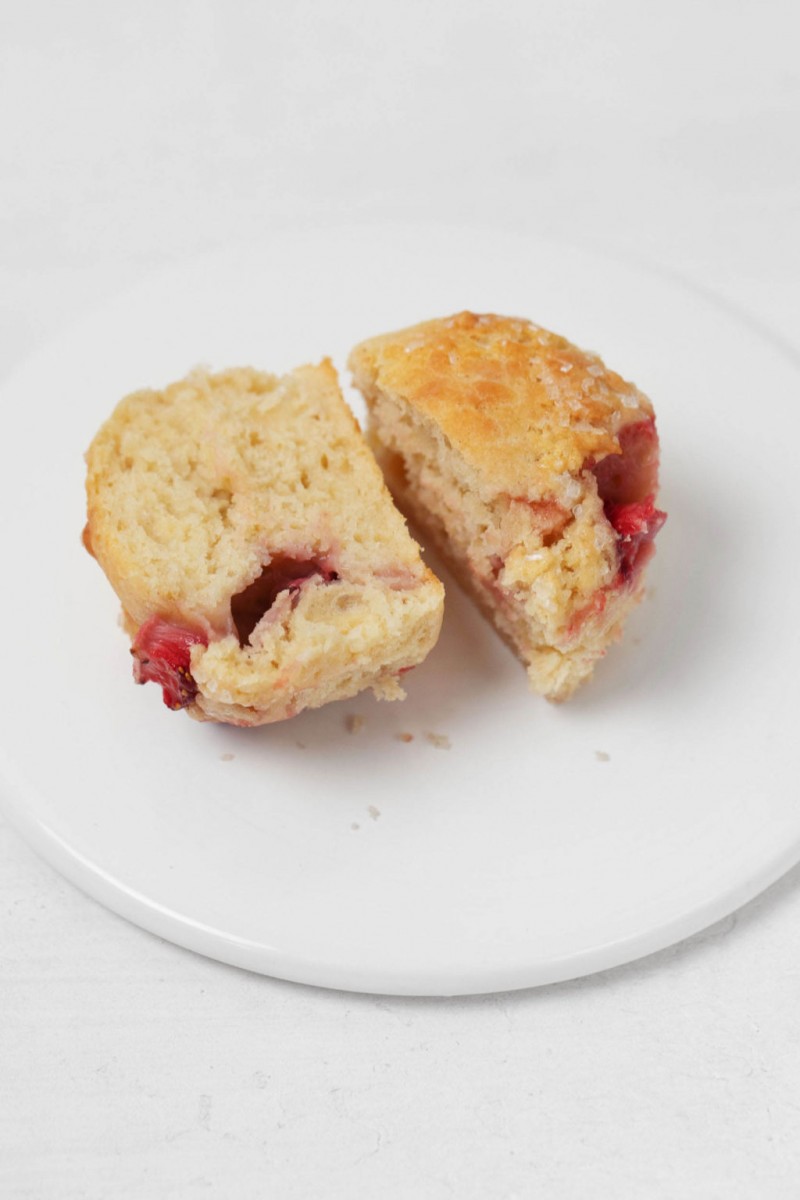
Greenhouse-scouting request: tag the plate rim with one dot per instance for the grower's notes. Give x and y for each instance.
(141, 912)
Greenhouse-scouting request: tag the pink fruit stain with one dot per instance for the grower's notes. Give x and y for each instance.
(549, 517)
(162, 654)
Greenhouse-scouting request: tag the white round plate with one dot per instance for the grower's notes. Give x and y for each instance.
(511, 843)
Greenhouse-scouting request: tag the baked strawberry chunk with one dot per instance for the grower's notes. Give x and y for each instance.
(626, 483)
(633, 473)
(282, 574)
(635, 525)
(162, 654)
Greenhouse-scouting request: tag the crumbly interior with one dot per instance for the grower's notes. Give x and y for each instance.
(487, 443)
(527, 567)
(195, 490)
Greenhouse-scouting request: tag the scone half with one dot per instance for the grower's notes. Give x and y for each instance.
(534, 470)
(261, 564)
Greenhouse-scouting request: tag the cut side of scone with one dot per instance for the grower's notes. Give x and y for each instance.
(260, 561)
(533, 469)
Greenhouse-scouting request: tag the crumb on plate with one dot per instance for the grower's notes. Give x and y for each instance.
(440, 740)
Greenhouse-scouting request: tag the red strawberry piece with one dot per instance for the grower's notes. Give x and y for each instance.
(633, 473)
(162, 654)
(635, 525)
(626, 483)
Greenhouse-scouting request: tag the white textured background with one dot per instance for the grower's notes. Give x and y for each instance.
(131, 136)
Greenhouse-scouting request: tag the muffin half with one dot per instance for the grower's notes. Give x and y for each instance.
(260, 562)
(532, 467)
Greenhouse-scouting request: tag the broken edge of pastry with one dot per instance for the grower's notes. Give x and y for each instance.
(534, 471)
(260, 561)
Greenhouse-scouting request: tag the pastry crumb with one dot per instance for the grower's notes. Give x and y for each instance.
(440, 740)
(226, 757)
(374, 812)
(355, 825)
(354, 722)
(404, 737)
(601, 756)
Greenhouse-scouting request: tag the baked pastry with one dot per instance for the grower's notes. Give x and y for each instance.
(261, 564)
(534, 470)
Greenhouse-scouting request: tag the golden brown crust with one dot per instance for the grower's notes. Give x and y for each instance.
(521, 405)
